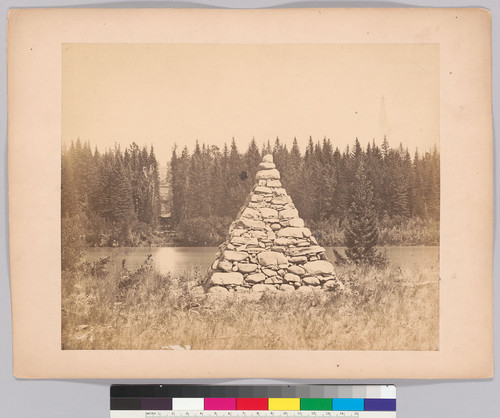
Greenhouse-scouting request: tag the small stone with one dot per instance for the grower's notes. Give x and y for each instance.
(215, 264)
(330, 284)
(305, 289)
(241, 289)
(297, 270)
(311, 281)
(285, 241)
(278, 248)
(281, 200)
(268, 213)
(289, 214)
(319, 267)
(252, 224)
(303, 244)
(271, 236)
(251, 213)
(281, 272)
(313, 240)
(290, 277)
(255, 278)
(258, 234)
(262, 245)
(268, 158)
(296, 222)
(263, 190)
(287, 288)
(271, 258)
(273, 280)
(273, 183)
(327, 278)
(291, 232)
(275, 226)
(313, 258)
(269, 272)
(237, 232)
(294, 252)
(217, 289)
(244, 241)
(225, 265)
(227, 278)
(267, 166)
(256, 198)
(307, 232)
(272, 174)
(230, 247)
(281, 192)
(263, 288)
(298, 260)
(235, 255)
(235, 268)
(247, 267)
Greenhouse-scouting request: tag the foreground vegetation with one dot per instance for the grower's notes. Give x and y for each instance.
(380, 309)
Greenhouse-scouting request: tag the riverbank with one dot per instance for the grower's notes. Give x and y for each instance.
(388, 309)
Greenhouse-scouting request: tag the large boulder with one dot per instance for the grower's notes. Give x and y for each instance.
(233, 278)
(319, 267)
(271, 258)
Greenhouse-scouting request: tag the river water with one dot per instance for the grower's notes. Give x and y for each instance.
(178, 259)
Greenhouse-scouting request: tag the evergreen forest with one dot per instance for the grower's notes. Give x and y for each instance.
(112, 198)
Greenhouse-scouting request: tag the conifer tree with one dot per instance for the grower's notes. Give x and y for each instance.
(361, 235)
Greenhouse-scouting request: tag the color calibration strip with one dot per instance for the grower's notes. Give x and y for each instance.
(253, 404)
(306, 400)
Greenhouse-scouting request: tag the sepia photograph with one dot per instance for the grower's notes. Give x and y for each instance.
(250, 197)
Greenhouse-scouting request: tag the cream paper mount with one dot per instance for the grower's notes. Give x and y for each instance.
(122, 76)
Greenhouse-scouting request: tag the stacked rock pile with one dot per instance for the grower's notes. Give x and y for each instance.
(268, 247)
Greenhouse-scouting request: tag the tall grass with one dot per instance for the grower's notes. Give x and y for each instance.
(389, 309)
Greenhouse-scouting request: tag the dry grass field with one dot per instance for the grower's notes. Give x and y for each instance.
(387, 309)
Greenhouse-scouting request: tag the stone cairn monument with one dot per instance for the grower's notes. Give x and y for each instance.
(268, 247)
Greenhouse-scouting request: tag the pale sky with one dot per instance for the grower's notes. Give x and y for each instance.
(166, 94)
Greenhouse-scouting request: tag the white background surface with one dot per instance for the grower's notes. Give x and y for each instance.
(90, 398)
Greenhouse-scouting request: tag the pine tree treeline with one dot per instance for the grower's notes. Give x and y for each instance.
(114, 197)
(210, 184)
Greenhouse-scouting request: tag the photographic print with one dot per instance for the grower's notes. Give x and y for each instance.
(250, 197)
(293, 193)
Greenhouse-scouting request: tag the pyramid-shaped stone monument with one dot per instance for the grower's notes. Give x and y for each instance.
(268, 246)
